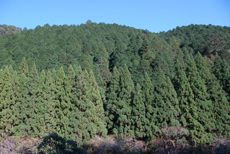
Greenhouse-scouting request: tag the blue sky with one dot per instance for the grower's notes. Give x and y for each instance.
(153, 15)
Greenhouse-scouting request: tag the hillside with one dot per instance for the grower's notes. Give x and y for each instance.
(103, 79)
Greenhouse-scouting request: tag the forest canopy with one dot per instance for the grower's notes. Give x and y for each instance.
(99, 79)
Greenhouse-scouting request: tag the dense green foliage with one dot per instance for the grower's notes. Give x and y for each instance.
(100, 79)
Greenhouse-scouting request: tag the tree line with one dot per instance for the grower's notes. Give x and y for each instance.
(72, 104)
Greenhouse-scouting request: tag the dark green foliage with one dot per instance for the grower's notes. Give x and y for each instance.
(7, 104)
(58, 145)
(123, 124)
(111, 107)
(138, 113)
(51, 103)
(217, 95)
(189, 110)
(62, 108)
(166, 102)
(150, 110)
(41, 106)
(81, 102)
(20, 104)
(94, 96)
(29, 125)
(203, 102)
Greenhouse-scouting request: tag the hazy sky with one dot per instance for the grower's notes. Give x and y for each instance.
(153, 15)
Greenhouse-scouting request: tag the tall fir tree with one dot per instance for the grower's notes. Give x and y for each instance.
(226, 78)
(217, 95)
(112, 100)
(61, 109)
(138, 113)
(51, 103)
(29, 107)
(93, 95)
(123, 124)
(40, 107)
(7, 104)
(152, 131)
(15, 83)
(166, 102)
(23, 68)
(203, 103)
(21, 105)
(188, 106)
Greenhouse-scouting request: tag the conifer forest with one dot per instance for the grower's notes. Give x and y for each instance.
(101, 79)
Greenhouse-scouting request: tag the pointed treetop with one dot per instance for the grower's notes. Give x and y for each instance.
(23, 68)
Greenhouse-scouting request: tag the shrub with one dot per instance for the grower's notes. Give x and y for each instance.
(57, 145)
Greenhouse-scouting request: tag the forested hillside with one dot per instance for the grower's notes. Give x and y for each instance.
(100, 79)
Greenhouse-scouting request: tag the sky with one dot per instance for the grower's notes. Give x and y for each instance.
(153, 15)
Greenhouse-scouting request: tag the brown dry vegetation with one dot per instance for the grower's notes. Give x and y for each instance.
(112, 144)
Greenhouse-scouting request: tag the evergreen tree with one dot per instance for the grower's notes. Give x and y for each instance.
(78, 121)
(61, 109)
(15, 83)
(7, 105)
(29, 112)
(123, 124)
(150, 110)
(138, 113)
(67, 106)
(226, 78)
(203, 103)
(94, 96)
(40, 106)
(217, 69)
(217, 95)
(21, 105)
(112, 99)
(166, 102)
(23, 68)
(188, 106)
(51, 104)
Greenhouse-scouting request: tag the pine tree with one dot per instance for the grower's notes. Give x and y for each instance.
(15, 83)
(51, 104)
(21, 106)
(23, 68)
(61, 109)
(138, 113)
(150, 110)
(203, 103)
(112, 99)
(226, 78)
(166, 102)
(6, 103)
(40, 106)
(94, 96)
(67, 106)
(217, 95)
(123, 124)
(29, 113)
(80, 115)
(188, 106)
(217, 69)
